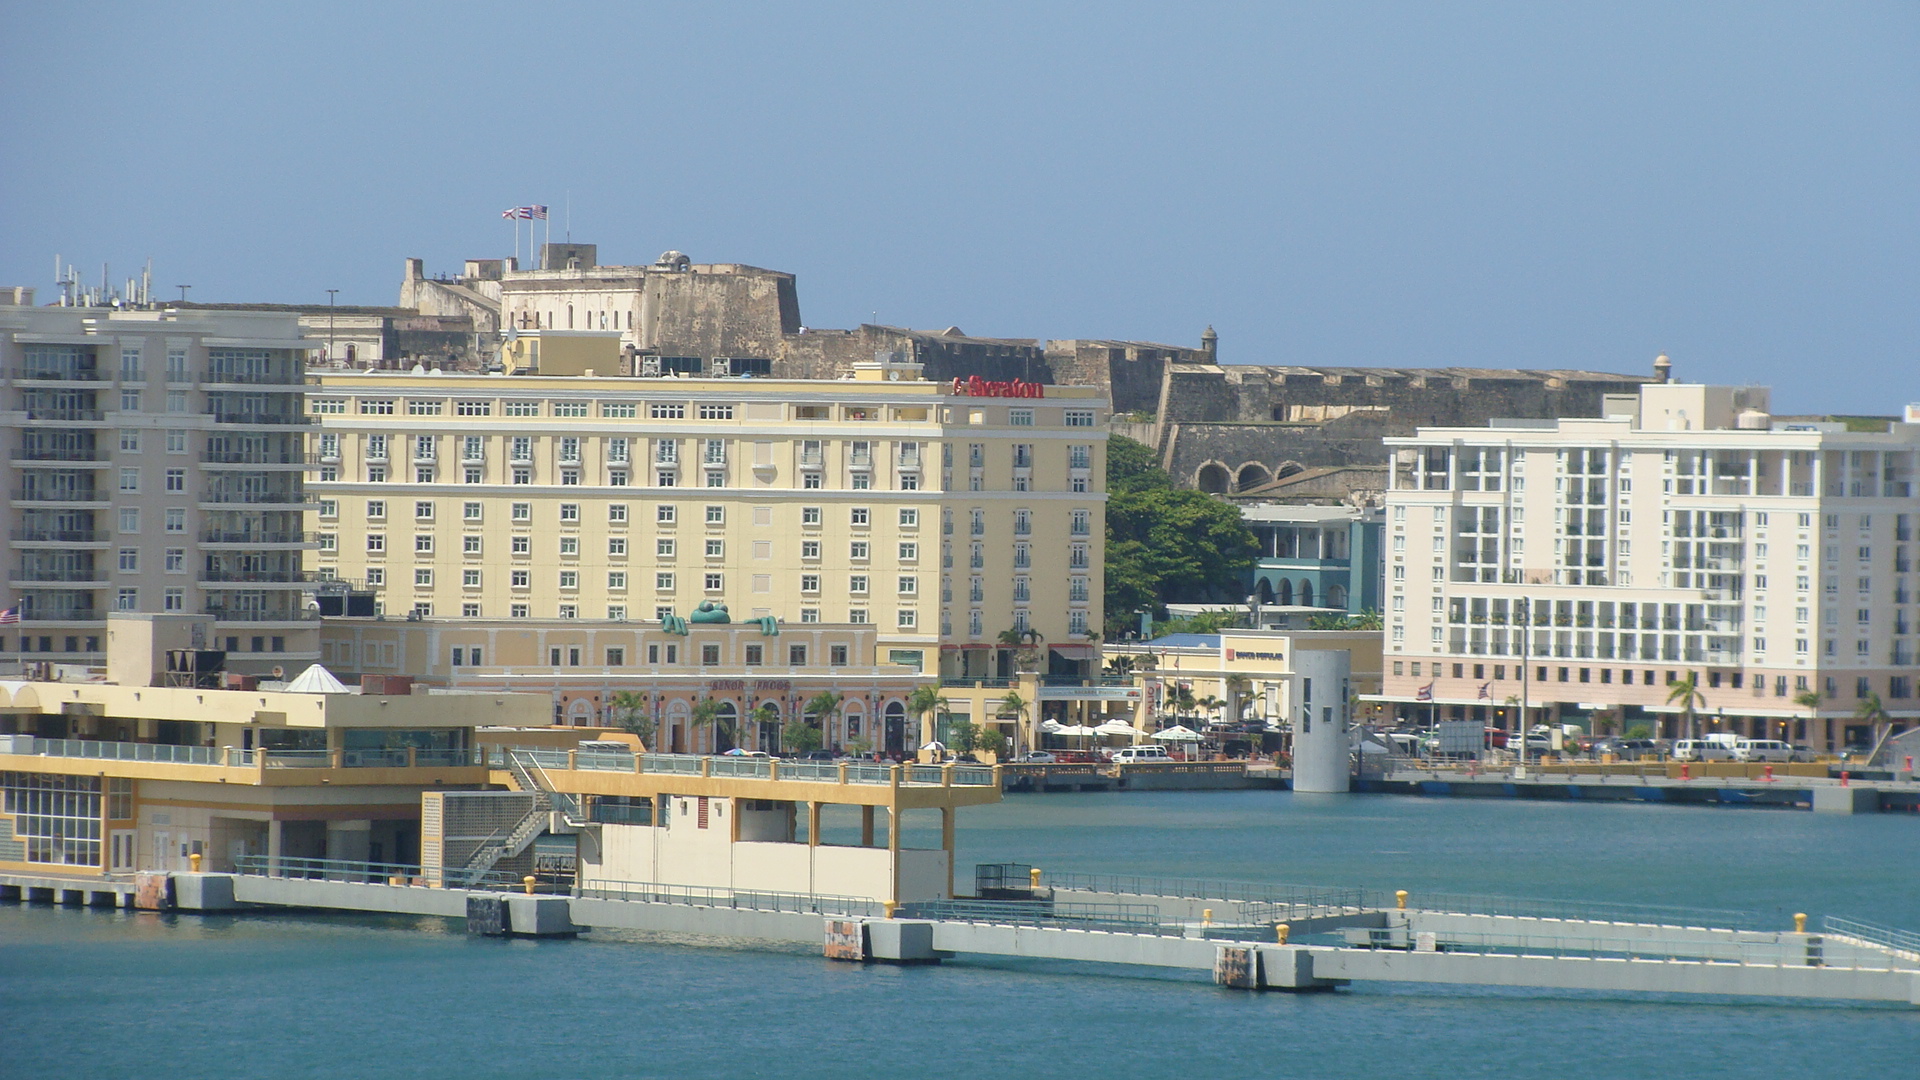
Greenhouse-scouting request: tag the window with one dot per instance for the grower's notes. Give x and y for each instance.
(423, 511)
(857, 616)
(1020, 417)
(857, 583)
(617, 546)
(663, 582)
(376, 576)
(330, 406)
(617, 410)
(376, 542)
(858, 517)
(129, 479)
(176, 401)
(470, 545)
(174, 599)
(665, 514)
(423, 543)
(176, 442)
(715, 582)
(519, 611)
(909, 552)
(716, 412)
(906, 618)
(423, 577)
(709, 655)
(1082, 522)
(754, 655)
(175, 522)
(809, 615)
(570, 408)
(522, 545)
(837, 655)
(909, 517)
(473, 408)
(664, 411)
(176, 560)
(810, 515)
(569, 513)
(909, 586)
(470, 579)
(376, 406)
(569, 579)
(425, 408)
(521, 579)
(130, 519)
(129, 560)
(522, 408)
(716, 515)
(570, 611)
(809, 583)
(617, 579)
(857, 550)
(716, 549)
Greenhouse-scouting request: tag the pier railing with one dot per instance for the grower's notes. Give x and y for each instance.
(1574, 910)
(746, 768)
(650, 892)
(1291, 897)
(1777, 950)
(1116, 918)
(1902, 941)
(382, 873)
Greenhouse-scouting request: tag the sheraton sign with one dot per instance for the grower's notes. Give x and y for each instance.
(976, 386)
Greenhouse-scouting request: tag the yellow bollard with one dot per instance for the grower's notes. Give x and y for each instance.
(1400, 899)
(1033, 873)
(528, 883)
(892, 906)
(194, 860)
(1799, 922)
(1280, 933)
(1206, 917)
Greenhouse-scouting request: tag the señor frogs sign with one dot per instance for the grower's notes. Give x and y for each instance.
(979, 387)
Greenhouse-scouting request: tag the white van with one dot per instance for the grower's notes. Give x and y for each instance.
(1702, 750)
(1142, 754)
(1762, 750)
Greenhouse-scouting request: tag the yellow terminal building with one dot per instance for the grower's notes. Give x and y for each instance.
(758, 541)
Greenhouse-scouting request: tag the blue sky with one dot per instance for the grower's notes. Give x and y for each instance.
(1538, 185)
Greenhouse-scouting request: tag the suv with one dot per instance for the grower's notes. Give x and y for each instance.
(1702, 750)
(1134, 755)
(1762, 750)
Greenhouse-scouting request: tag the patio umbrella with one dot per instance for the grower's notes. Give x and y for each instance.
(1178, 733)
(1117, 727)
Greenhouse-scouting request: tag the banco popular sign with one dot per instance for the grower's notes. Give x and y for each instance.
(976, 386)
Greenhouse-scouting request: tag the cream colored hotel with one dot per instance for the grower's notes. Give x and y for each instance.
(549, 530)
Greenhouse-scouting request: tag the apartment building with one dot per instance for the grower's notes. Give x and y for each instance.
(1584, 566)
(926, 518)
(155, 463)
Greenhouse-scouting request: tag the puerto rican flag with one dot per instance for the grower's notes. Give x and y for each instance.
(10, 616)
(1425, 693)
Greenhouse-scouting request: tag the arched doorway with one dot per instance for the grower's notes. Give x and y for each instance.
(1336, 596)
(854, 724)
(1212, 478)
(1285, 596)
(1251, 476)
(1265, 591)
(896, 727)
(726, 727)
(1306, 593)
(580, 713)
(675, 726)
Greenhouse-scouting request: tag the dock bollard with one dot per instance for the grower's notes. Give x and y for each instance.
(194, 860)
(1033, 877)
(892, 906)
(1844, 777)
(1400, 899)
(1799, 922)
(1280, 933)
(527, 883)
(1769, 776)
(1206, 918)
(1686, 770)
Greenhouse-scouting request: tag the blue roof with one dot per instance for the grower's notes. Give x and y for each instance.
(1187, 641)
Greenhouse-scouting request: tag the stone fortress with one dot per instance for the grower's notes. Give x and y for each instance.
(1274, 433)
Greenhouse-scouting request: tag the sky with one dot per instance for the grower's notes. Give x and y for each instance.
(1351, 183)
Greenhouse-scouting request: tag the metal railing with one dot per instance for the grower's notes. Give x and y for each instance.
(1574, 910)
(119, 751)
(57, 374)
(401, 875)
(36, 413)
(59, 536)
(1291, 897)
(223, 536)
(1903, 941)
(720, 897)
(1778, 950)
(1117, 918)
(748, 768)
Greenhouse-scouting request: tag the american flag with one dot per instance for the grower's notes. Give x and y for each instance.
(526, 213)
(10, 616)
(1425, 693)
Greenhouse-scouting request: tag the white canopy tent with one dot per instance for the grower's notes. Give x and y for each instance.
(317, 680)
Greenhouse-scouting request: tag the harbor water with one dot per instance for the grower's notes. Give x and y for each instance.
(90, 993)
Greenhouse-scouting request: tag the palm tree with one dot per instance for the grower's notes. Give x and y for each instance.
(1182, 700)
(764, 717)
(1873, 712)
(628, 708)
(1810, 701)
(1237, 686)
(706, 713)
(1687, 692)
(825, 706)
(927, 699)
(1023, 641)
(1209, 703)
(1121, 667)
(1016, 705)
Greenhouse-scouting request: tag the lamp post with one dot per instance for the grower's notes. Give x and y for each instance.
(1253, 609)
(332, 296)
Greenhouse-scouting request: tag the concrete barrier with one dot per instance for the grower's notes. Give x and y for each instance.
(1845, 800)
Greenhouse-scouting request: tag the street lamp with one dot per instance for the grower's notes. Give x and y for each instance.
(1253, 608)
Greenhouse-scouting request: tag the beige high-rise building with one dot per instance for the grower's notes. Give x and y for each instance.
(1586, 566)
(154, 464)
(926, 518)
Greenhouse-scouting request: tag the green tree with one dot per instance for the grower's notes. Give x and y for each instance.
(706, 713)
(822, 707)
(1016, 706)
(988, 738)
(1182, 701)
(926, 699)
(1687, 692)
(628, 708)
(963, 737)
(1165, 545)
(764, 716)
(1873, 712)
(798, 736)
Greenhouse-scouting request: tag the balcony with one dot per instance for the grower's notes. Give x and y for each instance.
(61, 453)
(51, 576)
(260, 539)
(257, 418)
(251, 378)
(61, 615)
(262, 498)
(218, 577)
(57, 536)
(259, 457)
(59, 374)
(44, 495)
(243, 615)
(89, 415)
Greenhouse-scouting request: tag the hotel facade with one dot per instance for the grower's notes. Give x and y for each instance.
(863, 535)
(1686, 534)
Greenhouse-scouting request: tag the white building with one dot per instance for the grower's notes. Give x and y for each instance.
(1685, 533)
(155, 462)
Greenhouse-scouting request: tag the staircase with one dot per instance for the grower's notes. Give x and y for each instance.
(505, 844)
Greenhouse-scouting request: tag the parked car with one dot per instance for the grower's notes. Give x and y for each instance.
(1144, 753)
(1702, 750)
(1762, 750)
(1628, 749)
(1037, 757)
(819, 755)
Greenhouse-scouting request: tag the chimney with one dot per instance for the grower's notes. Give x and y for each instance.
(1662, 369)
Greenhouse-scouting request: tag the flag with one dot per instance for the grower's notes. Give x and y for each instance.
(537, 212)
(510, 213)
(10, 616)
(1486, 691)
(1425, 693)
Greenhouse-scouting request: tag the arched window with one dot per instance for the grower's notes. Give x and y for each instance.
(1285, 596)
(1251, 476)
(675, 726)
(1306, 593)
(1336, 596)
(580, 713)
(726, 726)
(1212, 478)
(1265, 591)
(769, 733)
(896, 727)
(569, 316)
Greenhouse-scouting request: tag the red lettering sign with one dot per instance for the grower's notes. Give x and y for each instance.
(975, 386)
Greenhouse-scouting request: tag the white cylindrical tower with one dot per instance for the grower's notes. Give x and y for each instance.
(1322, 742)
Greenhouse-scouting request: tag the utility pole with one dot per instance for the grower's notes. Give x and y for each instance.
(183, 292)
(1526, 659)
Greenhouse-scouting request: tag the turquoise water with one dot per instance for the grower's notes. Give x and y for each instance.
(97, 994)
